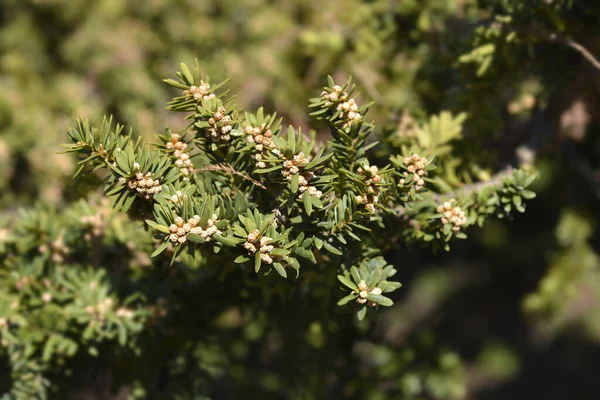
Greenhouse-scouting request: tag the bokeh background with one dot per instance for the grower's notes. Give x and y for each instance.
(514, 311)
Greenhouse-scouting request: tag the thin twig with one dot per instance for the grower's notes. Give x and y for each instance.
(230, 169)
(468, 190)
(543, 34)
(553, 37)
(465, 190)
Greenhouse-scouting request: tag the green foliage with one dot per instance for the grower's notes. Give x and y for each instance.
(302, 204)
(243, 253)
(566, 295)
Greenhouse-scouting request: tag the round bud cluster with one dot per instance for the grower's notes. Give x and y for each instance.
(124, 312)
(94, 223)
(340, 100)
(3, 235)
(199, 93)
(371, 197)
(182, 161)
(143, 184)
(415, 166)
(524, 103)
(349, 112)
(177, 198)
(257, 243)
(98, 311)
(58, 250)
(364, 291)
(219, 126)
(180, 229)
(452, 214)
(290, 167)
(303, 186)
(262, 137)
(47, 297)
(407, 127)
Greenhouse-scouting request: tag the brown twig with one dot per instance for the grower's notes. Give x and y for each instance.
(230, 169)
(465, 190)
(543, 34)
(553, 37)
(469, 189)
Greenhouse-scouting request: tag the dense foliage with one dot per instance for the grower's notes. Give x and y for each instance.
(267, 246)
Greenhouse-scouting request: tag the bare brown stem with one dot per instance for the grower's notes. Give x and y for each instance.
(553, 37)
(229, 169)
(468, 190)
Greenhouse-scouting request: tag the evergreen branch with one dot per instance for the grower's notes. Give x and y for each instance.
(470, 189)
(230, 169)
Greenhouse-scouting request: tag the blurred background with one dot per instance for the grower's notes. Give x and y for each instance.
(512, 312)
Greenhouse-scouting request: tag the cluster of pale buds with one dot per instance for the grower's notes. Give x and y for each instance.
(262, 137)
(290, 167)
(177, 198)
(374, 178)
(182, 161)
(3, 235)
(371, 197)
(349, 112)
(415, 165)
(452, 215)
(143, 184)
(219, 126)
(303, 186)
(364, 291)
(199, 93)
(57, 248)
(407, 127)
(95, 223)
(99, 310)
(257, 243)
(124, 312)
(346, 106)
(337, 95)
(180, 229)
(524, 103)
(369, 200)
